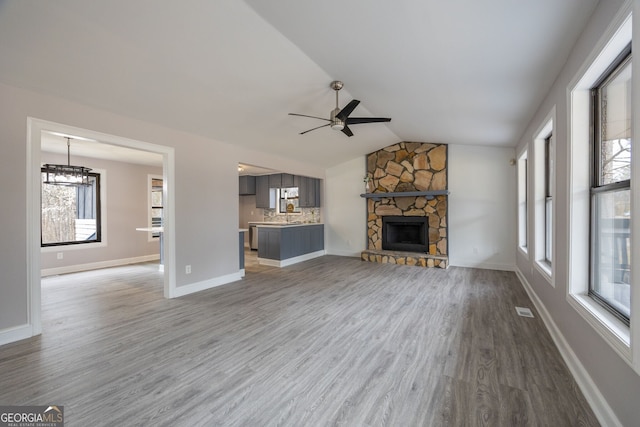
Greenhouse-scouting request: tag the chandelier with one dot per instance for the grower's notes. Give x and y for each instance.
(66, 174)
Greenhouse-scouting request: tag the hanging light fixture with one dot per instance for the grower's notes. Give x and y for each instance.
(66, 174)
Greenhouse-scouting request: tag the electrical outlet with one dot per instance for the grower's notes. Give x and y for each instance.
(187, 269)
(60, 255)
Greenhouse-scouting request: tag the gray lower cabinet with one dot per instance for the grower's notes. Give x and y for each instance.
(280, 243)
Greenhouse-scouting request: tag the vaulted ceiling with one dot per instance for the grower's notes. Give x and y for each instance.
(461, 71)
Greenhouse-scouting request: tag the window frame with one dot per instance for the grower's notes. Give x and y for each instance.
(522, 170)
(548, 198)
(615, 333)
(544, 181)
(596, 186)
(98, 207)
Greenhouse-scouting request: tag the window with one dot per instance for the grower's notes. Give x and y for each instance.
(70, 215)
(543, 192)
(548, 199)
(610, 194)
(288, 201)
(522, 201)
(156, 205)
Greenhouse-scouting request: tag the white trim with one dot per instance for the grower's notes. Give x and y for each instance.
(611, 329)
(96, 265)
(291, 261)
(345, 253)
(594, 397)
(545, 271)
(614, 333)
(34, 129)
(206, 284)
(16, 333)
(546, 129)
(484, 265)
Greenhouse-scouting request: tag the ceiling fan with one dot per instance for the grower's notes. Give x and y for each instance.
(339, 119)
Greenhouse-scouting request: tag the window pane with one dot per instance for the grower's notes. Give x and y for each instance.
(615, 127)
(68, 214)
(612, 250)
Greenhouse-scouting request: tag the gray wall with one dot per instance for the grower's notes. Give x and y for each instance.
(617, 382)
(126, 208)
(206, 192)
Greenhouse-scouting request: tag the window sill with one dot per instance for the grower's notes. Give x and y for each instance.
(64, 248)
(523, 250)
(545, 269)
(614, 332)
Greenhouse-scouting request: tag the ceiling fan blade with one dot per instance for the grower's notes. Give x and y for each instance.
(359, 120)
(348, 109)
(328, 124)
(347, 131)
(312, 117)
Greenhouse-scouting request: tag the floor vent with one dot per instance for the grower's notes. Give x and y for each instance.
(524, 312)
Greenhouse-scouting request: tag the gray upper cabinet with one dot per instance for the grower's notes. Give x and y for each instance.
(309, 191)
(263, 197)
(287, 180)
(247, 185)
(275, 180)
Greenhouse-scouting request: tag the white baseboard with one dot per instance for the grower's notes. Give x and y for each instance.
(16, 333)
(344, 253)
(291, 261)
(482, 265)
(97, 265)
(207, 284)
(598, 404)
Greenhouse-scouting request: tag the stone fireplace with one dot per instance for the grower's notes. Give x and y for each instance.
(407, 220)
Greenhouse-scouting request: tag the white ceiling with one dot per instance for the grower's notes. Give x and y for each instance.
(461, 71)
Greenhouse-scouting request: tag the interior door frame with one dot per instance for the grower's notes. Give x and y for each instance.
(34, 129)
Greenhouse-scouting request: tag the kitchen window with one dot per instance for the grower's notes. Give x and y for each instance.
(288, 201)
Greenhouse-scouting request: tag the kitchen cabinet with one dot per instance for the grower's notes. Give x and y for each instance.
(275, 180)
(280, 243)
(265, 197)
(287, 180)
(247, 185)
(309, 192)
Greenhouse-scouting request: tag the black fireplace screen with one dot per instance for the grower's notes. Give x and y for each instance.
(405, 233)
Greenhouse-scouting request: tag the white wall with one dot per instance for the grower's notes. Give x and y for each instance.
(482, 217)
(345, 212)
(610, 384)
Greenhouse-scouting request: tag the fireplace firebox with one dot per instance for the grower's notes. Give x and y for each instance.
(405, 233)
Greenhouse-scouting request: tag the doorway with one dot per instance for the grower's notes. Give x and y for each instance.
(35, 129)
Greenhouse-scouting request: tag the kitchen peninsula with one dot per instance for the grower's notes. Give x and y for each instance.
(283, 244)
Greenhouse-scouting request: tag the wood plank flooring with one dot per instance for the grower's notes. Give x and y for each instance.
(329, 342)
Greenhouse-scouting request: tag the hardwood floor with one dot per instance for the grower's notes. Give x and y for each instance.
(331, 341)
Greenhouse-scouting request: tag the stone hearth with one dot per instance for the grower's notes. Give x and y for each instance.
(408, 167)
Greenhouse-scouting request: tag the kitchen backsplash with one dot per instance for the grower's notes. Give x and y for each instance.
(308, 215)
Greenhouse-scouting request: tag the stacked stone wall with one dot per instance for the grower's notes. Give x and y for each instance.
(404, 167)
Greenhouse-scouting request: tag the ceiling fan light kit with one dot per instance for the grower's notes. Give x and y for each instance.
(339, 119)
